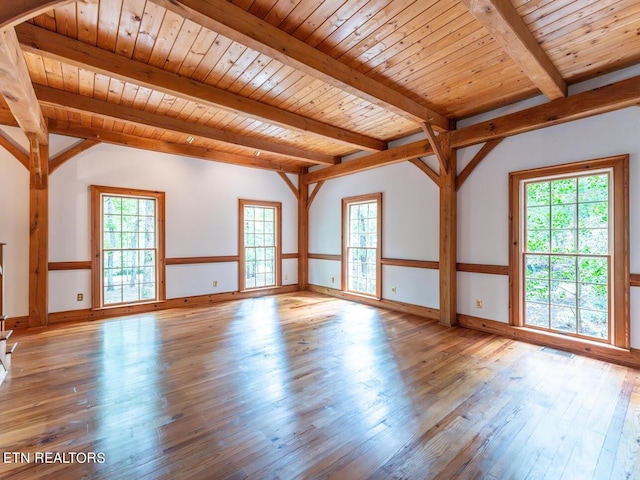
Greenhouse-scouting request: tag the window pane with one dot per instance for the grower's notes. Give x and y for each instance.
(594, 241)
(594, 188)
(593, 323)
(594, 297)
(538, 241)
(538, 193)
(564, 191)
(566, 281)
(537, 314)
(563, 268)
(563, 318)
(537, 266)
(563, 216)
(593, 270)
(538, 218)
(563, 293)
(537, 291)
(563, 241)
(593, 215)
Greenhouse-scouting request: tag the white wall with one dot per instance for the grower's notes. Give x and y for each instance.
(483, 200)
(410, 206)
(201, 218)
(483, 211)
(14, 227)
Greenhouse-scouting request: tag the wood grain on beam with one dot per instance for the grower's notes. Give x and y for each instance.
(134, 141)
(7, 118)
(77, 265)
(70, 152)
(14, 149)
(426, 169)
(374, 160)
(448, 235)
(507, 28)
(70, 101)
(303, 235)
(73, 52)
(38, 231)
(434, 141)
(239, 25)
(475, 161)
(197, 260)
(622, 94)
(17, 89)
(14, 12)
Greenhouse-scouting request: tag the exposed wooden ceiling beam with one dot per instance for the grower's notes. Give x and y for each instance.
(60, 99)
(622, 94)
(14, 12)
(16, 87)
(507, 28)
(83, 145)
(625, 93)
(73, 52)
(7, 118)
(14, 149)
(374, 160)
(154, 145)
(240, 26)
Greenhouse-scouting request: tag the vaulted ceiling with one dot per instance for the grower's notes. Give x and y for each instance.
(290, 84)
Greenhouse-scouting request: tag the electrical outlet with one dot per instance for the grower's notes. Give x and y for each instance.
(333, 279)
(393, 289)
(215, 283)
(478, 303)
(80, 297)
(286, 276)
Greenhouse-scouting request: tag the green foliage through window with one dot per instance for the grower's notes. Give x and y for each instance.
(566, 254)
(129, 247)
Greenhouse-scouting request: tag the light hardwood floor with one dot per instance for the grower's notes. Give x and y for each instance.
(306, 386)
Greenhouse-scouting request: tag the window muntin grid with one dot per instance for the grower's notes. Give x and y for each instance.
(567, 255)
(362, 245)
(260, 246)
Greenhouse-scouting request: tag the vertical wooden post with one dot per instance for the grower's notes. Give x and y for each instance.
(303, 234)
(38, 231)
(448, 233)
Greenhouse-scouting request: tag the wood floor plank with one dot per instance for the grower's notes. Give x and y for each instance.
(306, 386)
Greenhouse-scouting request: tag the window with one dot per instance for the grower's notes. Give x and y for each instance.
(361, 237)
(570, 250)
(260, 251)
(128, 239)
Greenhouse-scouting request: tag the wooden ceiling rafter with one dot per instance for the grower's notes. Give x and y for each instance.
(507, 28)
(156, 145)
(421, 148)
(240, 26)
(51, 45)
(622, 94)
(14, 13)
(17, 89)
(77, 103)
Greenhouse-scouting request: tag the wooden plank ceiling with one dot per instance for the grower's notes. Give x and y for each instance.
(289, 84)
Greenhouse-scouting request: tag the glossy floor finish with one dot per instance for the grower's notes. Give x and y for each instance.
(305, 386)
